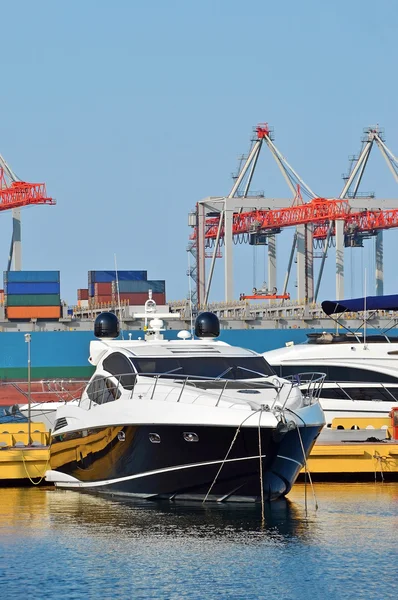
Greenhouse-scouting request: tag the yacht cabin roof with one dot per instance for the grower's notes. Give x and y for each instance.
(167, 348)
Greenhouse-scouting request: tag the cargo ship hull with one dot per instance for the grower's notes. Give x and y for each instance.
(64, 354)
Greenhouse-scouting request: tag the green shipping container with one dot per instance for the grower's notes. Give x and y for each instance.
(33, 300)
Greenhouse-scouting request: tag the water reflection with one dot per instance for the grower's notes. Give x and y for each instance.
(145, 519)
(38, 509)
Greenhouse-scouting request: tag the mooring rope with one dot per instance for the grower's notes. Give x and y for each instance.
(379, 459)
(307, 471)
(227, 454)
(45, 468)
(261, 467)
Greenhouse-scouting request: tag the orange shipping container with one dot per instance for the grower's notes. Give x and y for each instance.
(33, 312)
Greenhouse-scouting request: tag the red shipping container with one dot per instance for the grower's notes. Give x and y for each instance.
(103, 298)
(139, 299)
(82, 294)
(103, 289)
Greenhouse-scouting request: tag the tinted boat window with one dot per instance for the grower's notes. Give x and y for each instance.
(101, 391)
(361, 393)
(119, 365)
(247, 367)
(338, 373)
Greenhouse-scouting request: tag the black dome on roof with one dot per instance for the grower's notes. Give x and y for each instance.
(106, 325)
(207, 325)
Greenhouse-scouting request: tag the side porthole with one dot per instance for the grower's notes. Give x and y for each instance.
(190, 436)
(154, 438)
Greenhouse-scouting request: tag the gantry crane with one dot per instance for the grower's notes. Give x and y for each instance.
(239, 199)
(338, 217)
(15, 194)
(342, 228)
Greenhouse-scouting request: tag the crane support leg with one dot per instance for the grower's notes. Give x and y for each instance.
(289, 266)
(228, 265)
(309, 257)
(379, 264)
(272, 262)
(301, 266)
(201, 273)
(339, 259)
(16, 239)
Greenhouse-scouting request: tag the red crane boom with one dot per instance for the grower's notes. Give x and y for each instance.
(319, 211)
(367, 220)
(20, 193)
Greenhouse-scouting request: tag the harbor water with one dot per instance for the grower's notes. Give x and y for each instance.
(57, 544)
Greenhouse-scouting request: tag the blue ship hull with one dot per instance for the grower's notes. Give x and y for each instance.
(58, 354)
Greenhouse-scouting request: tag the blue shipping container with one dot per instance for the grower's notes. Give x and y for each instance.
(31, 288)
(32, 276)
(109, 276)
(131, 287)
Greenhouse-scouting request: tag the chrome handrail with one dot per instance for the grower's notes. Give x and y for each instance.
(312, 381)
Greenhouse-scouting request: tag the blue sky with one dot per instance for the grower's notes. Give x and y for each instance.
(131, 112)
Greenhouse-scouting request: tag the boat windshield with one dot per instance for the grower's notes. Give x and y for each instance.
(247, 367)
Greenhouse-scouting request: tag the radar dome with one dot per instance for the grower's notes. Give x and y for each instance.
(106, 325)
(207, 325)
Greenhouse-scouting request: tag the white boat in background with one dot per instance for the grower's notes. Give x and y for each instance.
(44, 412)
(361, 370)
(187, 419)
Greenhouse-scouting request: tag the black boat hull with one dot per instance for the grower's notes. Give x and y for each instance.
(183, 461)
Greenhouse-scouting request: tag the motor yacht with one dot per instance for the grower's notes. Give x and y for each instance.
(361, 370)
(193, 418)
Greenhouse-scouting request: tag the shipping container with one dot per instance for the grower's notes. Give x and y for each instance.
(139, 299)
(82, 294)
(33, 300)
(12, 288)
(83, 303)
(102, 289)
(33, 312)
(109, 276)
(102, 298)
(32, 276)
(90, 290)
(157, 286)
